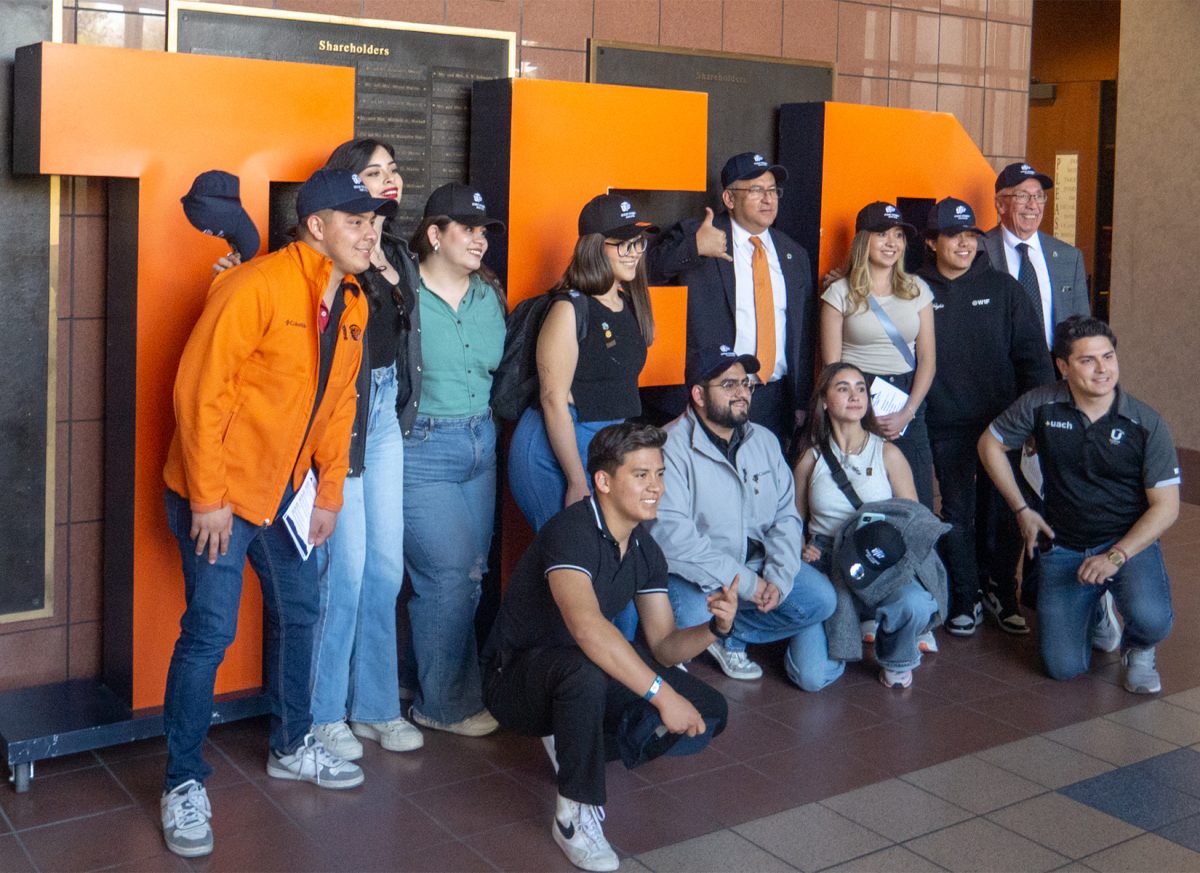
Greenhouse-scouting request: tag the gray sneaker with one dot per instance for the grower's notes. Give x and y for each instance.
(312, 762)
(735, 665)
(1106, 633)
(185, 816)
(1140, 675)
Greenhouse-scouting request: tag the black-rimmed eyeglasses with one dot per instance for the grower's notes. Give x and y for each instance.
(627, 247)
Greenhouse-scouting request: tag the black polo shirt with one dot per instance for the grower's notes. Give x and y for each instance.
(1096, 473)
(575, 539)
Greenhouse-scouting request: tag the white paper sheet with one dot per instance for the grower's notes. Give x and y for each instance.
(298, 516)
(886, 398)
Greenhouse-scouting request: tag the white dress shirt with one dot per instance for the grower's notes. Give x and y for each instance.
(745, 339)
(1038, 258)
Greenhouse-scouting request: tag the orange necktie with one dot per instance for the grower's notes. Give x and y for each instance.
(764, 311)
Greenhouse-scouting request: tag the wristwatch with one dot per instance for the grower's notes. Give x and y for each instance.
(1115, 557)
(716, 631)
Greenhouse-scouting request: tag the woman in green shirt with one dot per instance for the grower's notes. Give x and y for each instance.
(450, 457)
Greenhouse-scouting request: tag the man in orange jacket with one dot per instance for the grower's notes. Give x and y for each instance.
(265, 396)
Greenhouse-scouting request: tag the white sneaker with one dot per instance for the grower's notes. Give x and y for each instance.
(338, 740)
(397, 735)
(1141, 677)
(1106, 634)
(735, 665)
(311, 762)
(478, 725)
(185, 816)
(927, 642)
(895, 678)
(578, 833)
(548, 744)
(869, 628)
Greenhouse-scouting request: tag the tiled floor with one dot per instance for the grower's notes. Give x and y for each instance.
(983, 764)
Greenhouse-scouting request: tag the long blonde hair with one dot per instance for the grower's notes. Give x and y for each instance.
(859, 275)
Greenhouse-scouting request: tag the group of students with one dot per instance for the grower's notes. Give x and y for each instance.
(391, 410)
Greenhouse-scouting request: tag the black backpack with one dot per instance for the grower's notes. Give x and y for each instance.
(515, 380)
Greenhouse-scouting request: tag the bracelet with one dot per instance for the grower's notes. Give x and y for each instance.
(654, 687)
(1020, 509)
(716, 632)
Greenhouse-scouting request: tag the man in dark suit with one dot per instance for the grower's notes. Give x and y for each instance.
(749, 288)
(1050, 270)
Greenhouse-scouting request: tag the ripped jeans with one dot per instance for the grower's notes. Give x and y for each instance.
(449, 510)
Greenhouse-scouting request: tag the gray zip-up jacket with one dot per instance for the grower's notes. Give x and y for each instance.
(710, 508)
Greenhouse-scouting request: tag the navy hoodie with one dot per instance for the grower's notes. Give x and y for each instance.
(990, 347)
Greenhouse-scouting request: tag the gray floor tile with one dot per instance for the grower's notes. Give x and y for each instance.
(896, 809)
(1145, 853)
(1074, 867)
(897, 859)
(981, 846)
(811, 837)
(974, 784)
(1062, 824)
(1110, 741)
(632, 865)
(1158, 718)
(1044, 762)
(1189, 699)
(719, 851)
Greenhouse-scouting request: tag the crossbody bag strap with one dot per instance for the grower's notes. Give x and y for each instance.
(839, 475)
(889, 327)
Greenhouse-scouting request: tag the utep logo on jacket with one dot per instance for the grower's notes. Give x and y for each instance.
(351, 332)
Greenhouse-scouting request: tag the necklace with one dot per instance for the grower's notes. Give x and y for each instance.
(846, 456)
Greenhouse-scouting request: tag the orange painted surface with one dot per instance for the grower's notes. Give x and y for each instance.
(875, 153)
(164, 118)
(572, 141)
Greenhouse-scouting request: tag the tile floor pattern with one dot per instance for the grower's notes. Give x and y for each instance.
(984, 764)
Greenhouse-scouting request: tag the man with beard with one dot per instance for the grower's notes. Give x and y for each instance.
(729, 509)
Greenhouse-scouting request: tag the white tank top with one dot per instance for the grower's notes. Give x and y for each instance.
(828, 507)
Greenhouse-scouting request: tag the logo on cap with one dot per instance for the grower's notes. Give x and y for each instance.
(1027, 170)
(627, 210)
(477, 202)
(760, 161)
(358, 183)
(478, 197)
(890, 211)
(960, 210)
(726, 350)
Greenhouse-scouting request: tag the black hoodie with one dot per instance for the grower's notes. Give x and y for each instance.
(990, 347)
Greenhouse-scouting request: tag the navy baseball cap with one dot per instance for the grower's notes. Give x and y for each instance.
(951, 217)
(214, 206)
(612, 216)
(1015, 174)
(463, 204)
(880, 216)
(340, 190)
(710, 361)
(869, 550)
(750, 165)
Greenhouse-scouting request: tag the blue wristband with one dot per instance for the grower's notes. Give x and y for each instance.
(654, 687)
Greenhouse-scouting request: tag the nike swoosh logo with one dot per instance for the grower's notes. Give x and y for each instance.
(567, 832)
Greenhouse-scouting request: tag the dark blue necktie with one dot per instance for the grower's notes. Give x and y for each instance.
(1027, 276)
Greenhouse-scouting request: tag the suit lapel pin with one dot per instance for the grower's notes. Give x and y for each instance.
(789, 256)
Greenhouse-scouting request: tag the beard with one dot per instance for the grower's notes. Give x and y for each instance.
(727, 416)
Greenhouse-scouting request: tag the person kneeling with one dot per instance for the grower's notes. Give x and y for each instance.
(729, 509)
(555, 664)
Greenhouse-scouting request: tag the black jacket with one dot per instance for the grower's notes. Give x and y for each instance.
(990, 347)
(408, 355)
(673, 260)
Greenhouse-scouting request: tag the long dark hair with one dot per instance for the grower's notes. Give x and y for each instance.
(354, 155)
(818, 431)
(423, 248)
(590, 273)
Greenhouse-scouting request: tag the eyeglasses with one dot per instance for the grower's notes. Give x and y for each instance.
(1023, 197)
(628, 247)
(730, 385)
(758, 192)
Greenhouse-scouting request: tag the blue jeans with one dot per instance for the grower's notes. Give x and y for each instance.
(538, 484)
(1066, 606)
(798, 617)
(208, 626)
(361, 568)
(534, 475)
(449, 512)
